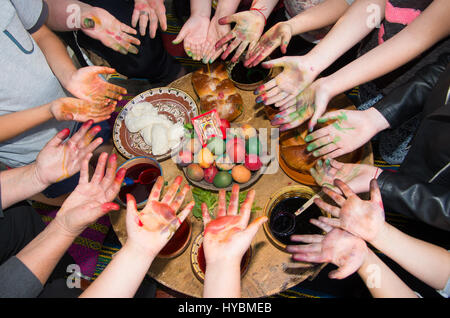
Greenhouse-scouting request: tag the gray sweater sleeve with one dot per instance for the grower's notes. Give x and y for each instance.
(17, 281)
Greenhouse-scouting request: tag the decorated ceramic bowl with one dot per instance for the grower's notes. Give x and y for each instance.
(175, 104)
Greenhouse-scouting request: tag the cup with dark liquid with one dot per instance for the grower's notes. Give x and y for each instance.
(145, 169)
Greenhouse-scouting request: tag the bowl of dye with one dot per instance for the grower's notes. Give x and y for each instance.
(245, 78)
(140, 191)
(282, 223)
(179, 241)
(198, 261)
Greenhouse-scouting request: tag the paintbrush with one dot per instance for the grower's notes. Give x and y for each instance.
(308, 203)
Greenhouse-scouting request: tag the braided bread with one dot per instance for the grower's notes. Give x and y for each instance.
(217, 91)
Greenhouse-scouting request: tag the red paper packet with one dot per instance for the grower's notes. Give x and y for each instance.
(207, 126)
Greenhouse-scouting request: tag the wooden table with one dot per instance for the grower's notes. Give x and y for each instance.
(271, 270)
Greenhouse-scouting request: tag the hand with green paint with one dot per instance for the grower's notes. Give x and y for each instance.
(99, 24)
(86, 83)
(284, 90)
(248, 28)
(357, 176)
(193, 34)
(349, 130)
(338, 247)
(311, 103)
(277, 36)
(362, 218)
(216, 31)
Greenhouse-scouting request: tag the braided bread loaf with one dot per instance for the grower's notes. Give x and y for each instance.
(217, 91)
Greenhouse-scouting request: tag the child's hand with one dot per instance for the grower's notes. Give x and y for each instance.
(59, 160)
(277, 36)
(86, 83)
(339, 247)
(68, 108)
(364, 219)
(154, 226)
(247, 31)
(99, 24)
(228, 237)
(193, 33)
(91, 199)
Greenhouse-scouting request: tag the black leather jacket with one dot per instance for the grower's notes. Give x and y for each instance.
(421, 187)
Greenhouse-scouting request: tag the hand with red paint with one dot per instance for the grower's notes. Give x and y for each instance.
(216, 31)
(341, 248)
(149, 12)
(91, 199)
(357, 176)
(310, 103)
(69, 108)
(59, 160)
(151, 228)
(277, 36)
(298, 73)
(86, 83)
(246, 33)
(99, 24)
(349, 130)
(361, 218)
(226, 239)
(193, 34)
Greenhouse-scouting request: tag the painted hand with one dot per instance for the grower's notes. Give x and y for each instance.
(149, 12)
(361, 218)
(153, 227)
(228, 237)
(339, 247)
(278, 36)
(247, 31)
(87, 84)
(310, 103)
(357, 176)
(99, 24)
(297, 74)
(216, 31)
(194, 33)
(59, 160)
(68, 108)
(350, 130)
(91, 199)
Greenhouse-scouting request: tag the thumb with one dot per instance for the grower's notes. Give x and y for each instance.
(228, 19)
(109, 206)
(253, 228)
(276, 62)
(180, 37)
(320, 107)
(285, 39)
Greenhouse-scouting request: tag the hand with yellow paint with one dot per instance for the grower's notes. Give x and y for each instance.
(86, 83)
(59, 160)
(69, 108)
(99, 24)
(226, 240)
(149, 230)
